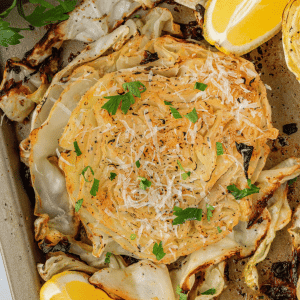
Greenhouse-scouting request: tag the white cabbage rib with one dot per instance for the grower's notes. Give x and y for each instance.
(61, 263)
(47, 179)
(143, 280)
(241, 240)
(294, 232)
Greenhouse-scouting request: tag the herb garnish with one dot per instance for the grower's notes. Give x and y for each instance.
(209, 211)
(240, 194)
(182, 296)
(158, 251)
(187, 214)
(45, 13)
(200, 86)
(192, 116)
(83, 173)
(185, 175)
(107, 257)
(112, 176)
(95, 187)
(77, 149)
(220, 150)
(133, 237)
(137, 163)
(144, 183)
(127, 99)
(167, 103)
(209, 292)
(291, 181)
(219, 229)
(175, 113)
(78, 205)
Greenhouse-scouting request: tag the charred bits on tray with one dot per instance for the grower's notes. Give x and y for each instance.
(290, 128)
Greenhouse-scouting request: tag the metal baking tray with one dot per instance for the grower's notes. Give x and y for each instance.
(17, 245)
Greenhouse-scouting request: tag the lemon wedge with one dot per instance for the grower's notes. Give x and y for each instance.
(71, 285)
(238, 26)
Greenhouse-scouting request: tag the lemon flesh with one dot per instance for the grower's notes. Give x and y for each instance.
(238, 26)
(71, 286)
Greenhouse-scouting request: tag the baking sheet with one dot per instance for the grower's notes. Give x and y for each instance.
(19, 250)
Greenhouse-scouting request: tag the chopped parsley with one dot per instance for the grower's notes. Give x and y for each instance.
(137, 163)
(133, 237)
(95, 187)
(185, 175)
(240, 194)
(107, 257)
(175, 113)
(137, 16)
(144, 183)
(200, 86)
(192, 116)
(158, 251)
(83, 173)
(78, 205)
(209, 211)
(187, 214)
(77, 149)
(209, 292)
(134, 89)
(167, 103)
(219, 229)
(291, 181)
(182, 296)
(49, 77)
(220, 150)
(112, 176)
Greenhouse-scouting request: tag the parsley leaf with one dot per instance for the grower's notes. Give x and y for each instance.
(219, 229)
(77, 149)
(209, 292)
(185, 175)
(107, 257)
(167, 103)
(209, 211)
(158, 251)
(112, 105)
(200, 86)
(112, 176)
(95, 187)
(133, 237)
(137, 163)
(175, 113)
(187, 214)
(192, 116)
(134, 88)
(137, 16)
(240, 194)
(220, 150)
(144, 183)
(9, 35)
(182, 296)
(78, 205)
(83, 173)
(291, 181)
(127, 99)
(47, 13)
(6, 12)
